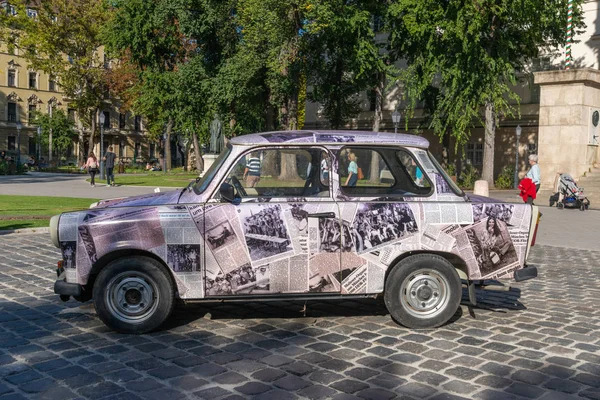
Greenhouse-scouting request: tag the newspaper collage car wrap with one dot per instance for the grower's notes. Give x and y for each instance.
(270, 246)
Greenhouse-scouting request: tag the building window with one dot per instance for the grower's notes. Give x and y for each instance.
(122, 120)
(121, 149)
(106, 119)
(31, 13)
(152, 150)
(532, 148)
(475, 153)
(137, 124)
(51, 84)
(33, 80)
(32, 146)
(31, 115)
(12, 143)
(12, 78)
(71, 114)
(12, 112)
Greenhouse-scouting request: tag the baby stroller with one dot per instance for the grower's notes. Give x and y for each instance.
(569, 195)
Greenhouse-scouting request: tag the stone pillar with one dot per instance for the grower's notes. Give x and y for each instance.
(565, 144)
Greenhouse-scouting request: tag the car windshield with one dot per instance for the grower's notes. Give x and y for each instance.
(208, 176)
(442, 172)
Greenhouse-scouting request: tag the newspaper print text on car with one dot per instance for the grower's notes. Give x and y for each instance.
(340, 243)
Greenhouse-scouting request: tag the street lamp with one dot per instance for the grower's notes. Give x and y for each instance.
(518, 130)
(102, 119)
(39, 146)
(19, 126)
(396, 120)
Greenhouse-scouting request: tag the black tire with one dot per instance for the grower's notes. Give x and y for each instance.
(423, 291)
(134, 295)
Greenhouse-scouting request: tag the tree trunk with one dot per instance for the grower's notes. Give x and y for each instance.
(168, 144)
(81, 156)
(289, 170)
(488, 147)
(379, 91)
(183, 153)
(50, 141)
(270, 113)
(293, 108)
(269, 166)
(94, 115)
(199, 160)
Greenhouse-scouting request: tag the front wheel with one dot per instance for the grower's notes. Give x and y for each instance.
(133, 295)
(423, 291)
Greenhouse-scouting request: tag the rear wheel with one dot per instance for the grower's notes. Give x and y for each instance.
(133, 295)
(423, 291)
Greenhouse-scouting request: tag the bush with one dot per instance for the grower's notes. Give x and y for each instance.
(506, 177)
(468, 177)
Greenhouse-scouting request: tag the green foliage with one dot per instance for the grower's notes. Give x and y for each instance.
(63, 130)
(506, 178)
(468, 177)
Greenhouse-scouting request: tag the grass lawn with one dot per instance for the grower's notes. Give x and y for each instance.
(152, 179)
(18, 212)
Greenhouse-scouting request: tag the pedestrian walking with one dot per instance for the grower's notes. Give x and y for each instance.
(252, 171)
(109, 159)
(92, 167)
(534, 173)
(352, 171)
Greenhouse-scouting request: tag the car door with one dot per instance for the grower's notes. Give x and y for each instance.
(273, 228)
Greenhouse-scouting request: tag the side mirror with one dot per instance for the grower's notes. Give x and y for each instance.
(227, 192)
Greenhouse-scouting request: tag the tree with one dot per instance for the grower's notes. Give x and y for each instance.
(63, 41)
(343, 57)
(473, 53)
(62, 128)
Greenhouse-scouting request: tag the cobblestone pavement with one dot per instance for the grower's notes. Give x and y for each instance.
(542, 341)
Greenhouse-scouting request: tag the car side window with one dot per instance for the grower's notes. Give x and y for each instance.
(412, 174)
(380, 172)
(282, 172)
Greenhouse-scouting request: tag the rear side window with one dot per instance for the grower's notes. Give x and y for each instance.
(367, 172)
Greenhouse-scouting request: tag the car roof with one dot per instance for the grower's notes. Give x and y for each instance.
(331, 137)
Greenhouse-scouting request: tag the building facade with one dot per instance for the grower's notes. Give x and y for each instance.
(24, 91)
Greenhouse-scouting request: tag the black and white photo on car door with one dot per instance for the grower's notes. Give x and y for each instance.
(265, 232)
(376, 224)
(183, 257)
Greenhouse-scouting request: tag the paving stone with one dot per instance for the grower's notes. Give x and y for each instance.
(229, 378)
(531, 377)
(525, 390)
(349, 386)
(291, 383)
(276, 394)
(430, 378)
(101, 389)
(253, 388)
(325, 377)
(316, 392)
(212, 393)
(416, 389)
(563, 385)
(496, 382)
(206, 370)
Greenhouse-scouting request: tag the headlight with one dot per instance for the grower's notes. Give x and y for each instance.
(54, 230)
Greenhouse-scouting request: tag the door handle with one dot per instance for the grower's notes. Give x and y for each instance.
(322, 215)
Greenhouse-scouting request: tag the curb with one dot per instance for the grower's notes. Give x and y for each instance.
(43, 229)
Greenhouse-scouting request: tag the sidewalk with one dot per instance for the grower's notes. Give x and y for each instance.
(67, 185)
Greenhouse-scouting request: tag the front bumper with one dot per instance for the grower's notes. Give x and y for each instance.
(525, 273)
(64, 288)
